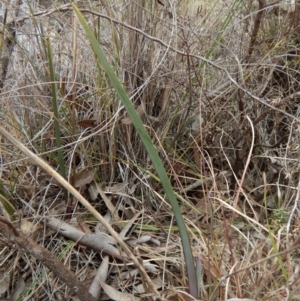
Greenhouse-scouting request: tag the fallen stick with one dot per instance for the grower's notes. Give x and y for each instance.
(27, 245)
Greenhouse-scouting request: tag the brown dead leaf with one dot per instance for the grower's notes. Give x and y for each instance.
(94, 190)
(116, 295)
(82, 226)
(157, 281)
(115, 188)
(83, 177)
(210, 268)
(88, 123)
(19, 289)
(4, 281)
(28, 227)
(180, 297)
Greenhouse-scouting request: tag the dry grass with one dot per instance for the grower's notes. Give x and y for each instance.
(236, 173)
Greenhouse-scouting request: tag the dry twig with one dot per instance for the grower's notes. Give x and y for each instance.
(26, 244)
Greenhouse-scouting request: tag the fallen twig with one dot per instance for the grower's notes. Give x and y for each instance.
(27, 245)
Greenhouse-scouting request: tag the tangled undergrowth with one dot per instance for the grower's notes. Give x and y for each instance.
(216, 86)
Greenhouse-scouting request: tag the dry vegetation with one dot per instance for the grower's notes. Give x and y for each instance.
(233, 65)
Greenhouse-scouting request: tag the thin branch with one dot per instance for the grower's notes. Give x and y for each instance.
(26, 244)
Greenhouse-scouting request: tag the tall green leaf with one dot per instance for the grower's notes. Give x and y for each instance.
(149, 147)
